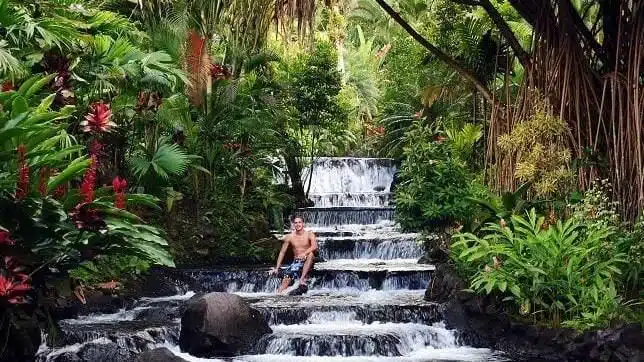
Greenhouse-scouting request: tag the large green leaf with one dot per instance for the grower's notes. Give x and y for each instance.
(72, 170)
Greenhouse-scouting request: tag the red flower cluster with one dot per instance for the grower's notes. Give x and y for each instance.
(218, 71)
(87, 218)
(22, 189)
(44, 178)
(119, 185)
(5, 238)
(238, 147)
(95, 148)
(373, 131)
(13, 290)
(60, 191)
(7, 86)
(99, 118)
(89, 180)
(13, 282)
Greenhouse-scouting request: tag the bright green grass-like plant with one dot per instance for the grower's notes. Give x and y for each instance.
(557, 272)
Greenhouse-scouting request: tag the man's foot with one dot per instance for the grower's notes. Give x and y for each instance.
(301, 289)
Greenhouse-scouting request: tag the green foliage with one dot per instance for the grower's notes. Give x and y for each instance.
(554, 272)
(42, 133)
(108, 268)
(433, 183)
(464, 140)
(316, 85)
(597, 211)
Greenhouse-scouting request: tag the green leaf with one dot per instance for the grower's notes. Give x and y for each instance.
(503, 286)
(19, 106)
(73, 169)
(38, 85)
(514, 289)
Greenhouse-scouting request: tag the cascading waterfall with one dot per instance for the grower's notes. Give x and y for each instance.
(365, 300)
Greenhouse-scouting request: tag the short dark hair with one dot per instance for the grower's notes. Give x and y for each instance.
(297, 216)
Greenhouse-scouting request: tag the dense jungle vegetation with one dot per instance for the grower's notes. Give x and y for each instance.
(143, 133)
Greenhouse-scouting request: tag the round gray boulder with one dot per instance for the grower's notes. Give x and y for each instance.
(220, 325)
(159, 355)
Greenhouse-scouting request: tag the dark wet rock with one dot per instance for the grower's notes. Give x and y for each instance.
(132, 333)
(159, 355)
(103, 351)
(23, 340)
(96, 303)
(483, 322)
(163, 282)
(436, 249)
(220, 324)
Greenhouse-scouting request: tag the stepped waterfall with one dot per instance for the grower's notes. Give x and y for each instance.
(365, 300)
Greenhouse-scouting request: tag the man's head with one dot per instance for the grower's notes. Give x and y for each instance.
(298, 222)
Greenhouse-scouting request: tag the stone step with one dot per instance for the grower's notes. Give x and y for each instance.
(403, 266)
(333, 199)
(135, 335)
(366, 307)
(325, 276)
(352, 338)
(328, 216)
(400, 246)
(367, 313)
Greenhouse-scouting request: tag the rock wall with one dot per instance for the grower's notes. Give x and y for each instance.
(483, 323)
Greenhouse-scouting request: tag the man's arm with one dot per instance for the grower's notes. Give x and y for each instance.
(282, 252)
(314, 245)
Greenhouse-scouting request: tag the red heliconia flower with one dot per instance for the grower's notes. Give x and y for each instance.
(87, 218)
(440, 139)
(5, 238)
(22, 188)
(99, 118)
(14, 269)
(418, 114)
(119, 185)
(7, 86)
(60, 191)
(95, 148)
(89, 181)
(218, 71)
(13, 291)
(44, 178)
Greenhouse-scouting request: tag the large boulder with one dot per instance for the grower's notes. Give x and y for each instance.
(220, 325)
(159, 355)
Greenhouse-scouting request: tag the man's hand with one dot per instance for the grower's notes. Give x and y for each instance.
(273, 271)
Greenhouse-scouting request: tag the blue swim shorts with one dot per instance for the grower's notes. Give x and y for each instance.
(294, 269)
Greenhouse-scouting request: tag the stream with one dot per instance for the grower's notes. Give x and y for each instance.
(365, 301)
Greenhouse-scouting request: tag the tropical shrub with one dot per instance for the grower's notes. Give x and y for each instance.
(50, 221)
(433, 184)
(597, 210)
(554, 272)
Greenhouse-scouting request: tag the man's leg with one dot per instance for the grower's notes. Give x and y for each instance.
(306, 269)
(286, 281)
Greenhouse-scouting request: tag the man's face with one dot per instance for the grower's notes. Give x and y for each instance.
(298, 223)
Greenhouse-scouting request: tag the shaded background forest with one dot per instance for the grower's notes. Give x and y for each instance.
(503, 115)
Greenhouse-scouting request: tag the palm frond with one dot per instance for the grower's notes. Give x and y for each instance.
(10, 67)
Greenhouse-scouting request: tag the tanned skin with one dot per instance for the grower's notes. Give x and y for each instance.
(304, 245)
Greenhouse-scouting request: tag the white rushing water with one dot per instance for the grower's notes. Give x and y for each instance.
(365, 301)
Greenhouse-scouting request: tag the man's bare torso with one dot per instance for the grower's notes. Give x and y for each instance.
(299, 242)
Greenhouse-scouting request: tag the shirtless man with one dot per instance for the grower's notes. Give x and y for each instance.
(304, 245)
